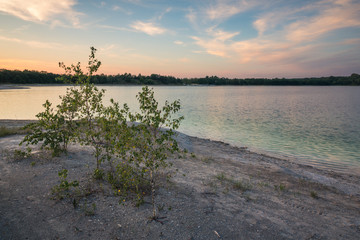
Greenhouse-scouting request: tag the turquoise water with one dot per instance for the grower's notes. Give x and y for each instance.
(315, 125)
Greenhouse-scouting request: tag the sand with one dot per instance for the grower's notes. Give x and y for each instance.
(219, 192)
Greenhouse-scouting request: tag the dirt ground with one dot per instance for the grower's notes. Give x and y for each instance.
(221, 192)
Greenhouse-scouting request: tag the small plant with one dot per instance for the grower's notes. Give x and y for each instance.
(280, 187)
(221, 176)
(207, 159)
(242, 186)
(314, 194)
(33, 163)
(19, 154)
(99, 174)
(63, 189)
(89, 210)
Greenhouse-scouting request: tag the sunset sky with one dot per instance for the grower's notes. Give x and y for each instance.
(185, 38)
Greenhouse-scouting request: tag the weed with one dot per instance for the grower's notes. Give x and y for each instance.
(314, 194)
(263, 184)
(161, 207)
(89, 210)
(19, 154)
(98, 174)
(207, 159)
(63, 189)
(221, 176)
(33, 163)
(280, 187)
(242, 186)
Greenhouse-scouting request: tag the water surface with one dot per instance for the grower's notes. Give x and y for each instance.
(315, 125)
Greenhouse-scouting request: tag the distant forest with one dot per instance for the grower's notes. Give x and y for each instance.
(36, 77)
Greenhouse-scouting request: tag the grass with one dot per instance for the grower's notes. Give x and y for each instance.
(242, 186)
(5, 131)
(235, 184)
(280, 187)
(314, 194)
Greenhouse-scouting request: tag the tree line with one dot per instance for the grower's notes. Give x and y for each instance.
(42, 77)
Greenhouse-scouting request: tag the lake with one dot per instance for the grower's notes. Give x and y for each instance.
(318, 126)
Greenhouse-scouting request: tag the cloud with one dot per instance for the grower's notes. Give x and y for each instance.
(179, 42)
(217, 43)
(165, 12)
(35, 44)
(41, 11)
(191, 16)
(292, 36)
(224, 9)
(148, 27)
(340, 14)
(120, 9)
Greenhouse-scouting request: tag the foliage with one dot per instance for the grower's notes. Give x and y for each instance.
(314, 194)
(135, 145)
(32, 77)
(63, 189)
(51, 129)
(19, 155)
(154, 136)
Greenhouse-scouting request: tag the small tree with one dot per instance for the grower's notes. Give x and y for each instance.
(153, 136)
(83, 102)
(51, 129)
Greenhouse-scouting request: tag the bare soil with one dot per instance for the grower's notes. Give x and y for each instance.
(219, 192)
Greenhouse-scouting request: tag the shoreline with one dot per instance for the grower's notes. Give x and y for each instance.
(276, 155)
(225, 189)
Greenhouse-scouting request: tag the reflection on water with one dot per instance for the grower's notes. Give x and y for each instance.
(317, 125)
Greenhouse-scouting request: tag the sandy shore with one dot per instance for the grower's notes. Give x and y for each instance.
(272, 201)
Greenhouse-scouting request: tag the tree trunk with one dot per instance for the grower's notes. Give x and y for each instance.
(152, 182)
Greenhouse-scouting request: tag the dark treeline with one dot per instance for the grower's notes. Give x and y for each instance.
(35, 77)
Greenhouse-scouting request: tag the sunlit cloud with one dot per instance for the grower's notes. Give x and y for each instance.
(184, 60)
(42, 11)
(216, 44)
(14, 64)
(34, 44)
(148, 27)
(224, 9)
(285, 37)
(179, 43)
(342, 14)
(113, 27)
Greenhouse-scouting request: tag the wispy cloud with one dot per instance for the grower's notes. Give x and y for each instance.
(42, 11)
(191, 16)
(114, 27)
(35, 44)
(164, 12)
(285, 36)
(339, 14)
(121, 9)
(179, 42)
(149, 28)
(224, 9)
(218, 43)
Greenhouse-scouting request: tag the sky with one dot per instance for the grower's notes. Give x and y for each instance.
(184, 38)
